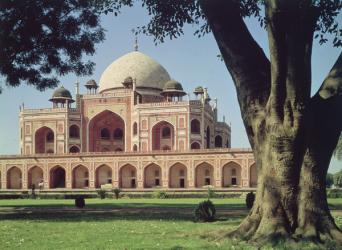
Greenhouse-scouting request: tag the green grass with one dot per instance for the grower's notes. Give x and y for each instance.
(120, 224)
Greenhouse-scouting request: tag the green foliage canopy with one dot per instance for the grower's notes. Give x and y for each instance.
(41, 40)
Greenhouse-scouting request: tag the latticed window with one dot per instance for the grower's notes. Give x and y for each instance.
(233, 172)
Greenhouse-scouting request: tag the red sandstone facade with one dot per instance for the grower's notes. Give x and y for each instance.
(137, 131)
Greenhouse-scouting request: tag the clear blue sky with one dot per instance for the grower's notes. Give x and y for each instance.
(189, 60)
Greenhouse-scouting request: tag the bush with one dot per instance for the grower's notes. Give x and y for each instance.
(79, 202)
(101, 193)
(250, 197)
(117, 192)
(205, 211)
(160, 194)
(335, 193)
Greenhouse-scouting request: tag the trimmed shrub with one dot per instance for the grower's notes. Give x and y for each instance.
(205, 211)
(101, 193)
(117, 192)
(80, 202)
(160, 194)
(250, 197)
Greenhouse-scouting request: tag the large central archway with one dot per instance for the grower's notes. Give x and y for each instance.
(106, 132)
(57, 177)
(163, 136)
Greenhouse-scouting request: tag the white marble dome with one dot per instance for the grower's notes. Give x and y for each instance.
(147, 72)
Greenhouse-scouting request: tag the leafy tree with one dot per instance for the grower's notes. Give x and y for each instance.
(338, 149)
(338, 179)
(40, 40)
(293, 134)
(329, 180)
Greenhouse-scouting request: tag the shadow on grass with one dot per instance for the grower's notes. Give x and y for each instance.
(79, 215)
(122, 205)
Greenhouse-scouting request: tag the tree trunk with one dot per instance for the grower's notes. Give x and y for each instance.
(278, 115)
(314, 218)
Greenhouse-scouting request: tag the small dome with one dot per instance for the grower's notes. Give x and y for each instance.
(147, 72)
(91, 84)
(173, 85)
(61, 94)
(199, 90)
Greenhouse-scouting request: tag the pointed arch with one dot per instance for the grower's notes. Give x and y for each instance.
(218, 141)
(14, 178)
(57, 177)
(80, 177)
(204, 175)
(162, 136)
(178, 176)
(44, 140)
(152, 176)
(103, 175)
(101, 132)
(128, 176)
(35, 175)
(231, 174)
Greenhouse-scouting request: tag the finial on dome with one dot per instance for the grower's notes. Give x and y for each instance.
(136, 46)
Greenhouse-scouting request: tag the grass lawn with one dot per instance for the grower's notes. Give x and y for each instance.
(121, 224)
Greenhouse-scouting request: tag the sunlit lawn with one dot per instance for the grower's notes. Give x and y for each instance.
(120, 224)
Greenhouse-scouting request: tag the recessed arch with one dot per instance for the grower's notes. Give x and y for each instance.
(14, 178)
(135, 128)
(208, 137)
(204, 175)
(103, 175)
(57, 177)
(74, 149)
(253, 175)
(162, 136)
(74, 131)
(178, 176)
(44, 140)
(231, 174)
(128, 176)
(195, 126)
(218, 141)
(195, 145)
(80, 177)
(100, 130)
(35, 175)
(135, 147)
(152, 176)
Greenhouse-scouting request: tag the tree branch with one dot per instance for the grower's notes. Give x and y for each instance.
(245, 60)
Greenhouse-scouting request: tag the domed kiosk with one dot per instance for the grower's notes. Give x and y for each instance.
(145, 71)
(61, 96)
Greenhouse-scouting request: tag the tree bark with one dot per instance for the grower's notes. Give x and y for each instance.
(314, 219)
(276, 108)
